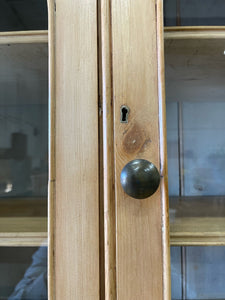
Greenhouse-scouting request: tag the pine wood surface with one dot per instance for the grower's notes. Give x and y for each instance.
(107, 129)
(76, 206)
(24, 37)
(194, 32)
(163, 154)
(51, 153)
(139, 250)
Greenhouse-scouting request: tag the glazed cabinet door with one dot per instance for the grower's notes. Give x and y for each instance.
(49, 150)
(83, 172)
(195, 93)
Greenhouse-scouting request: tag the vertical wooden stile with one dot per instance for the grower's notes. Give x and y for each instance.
(76, 203)
(51, 154)
(142, 244)
(163, 154)
(108, 150)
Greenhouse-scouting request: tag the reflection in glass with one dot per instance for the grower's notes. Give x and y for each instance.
(23, 273)
(33, 285)
(23, 121)
(23, 171)
(204, 273)
(204, 148)
(195, 102)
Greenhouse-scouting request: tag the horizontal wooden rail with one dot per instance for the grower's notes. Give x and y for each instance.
(24, 37)
(194, 32)
(20, 231)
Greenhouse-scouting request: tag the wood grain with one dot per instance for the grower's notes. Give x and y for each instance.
(24, 37)
(135, 84)
(108, 151)
(76, 144)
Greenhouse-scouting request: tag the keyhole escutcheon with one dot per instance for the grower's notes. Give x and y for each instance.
(124, 112)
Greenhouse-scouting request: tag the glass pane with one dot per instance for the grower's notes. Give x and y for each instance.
(204, 148)
(201, 270)
(23, 170)
(176, 273)
(195, 103)
(23, 121)
(21, 15)
(172, 147)
(194, 12)
(23, 273)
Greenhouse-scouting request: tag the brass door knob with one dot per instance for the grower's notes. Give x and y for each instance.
(140, 178)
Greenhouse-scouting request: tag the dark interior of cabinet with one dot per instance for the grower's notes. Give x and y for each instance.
(194, 12)
(23, 130)
(22, 15)
(14, 263)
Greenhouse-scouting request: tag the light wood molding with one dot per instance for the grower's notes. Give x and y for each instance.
(197, 221)
(51, 151)
(193, 28)
(199, 231)
(24, 37)
(108, 150)
(163, 154)
(194, 32)
(23, 231)
(76, 192)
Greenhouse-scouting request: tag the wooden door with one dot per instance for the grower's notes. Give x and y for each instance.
(105, 244)
(136, 231)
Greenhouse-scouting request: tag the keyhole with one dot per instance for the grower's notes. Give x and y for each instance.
(124, 112)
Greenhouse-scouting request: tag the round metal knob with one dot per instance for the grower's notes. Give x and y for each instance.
(140, 178)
